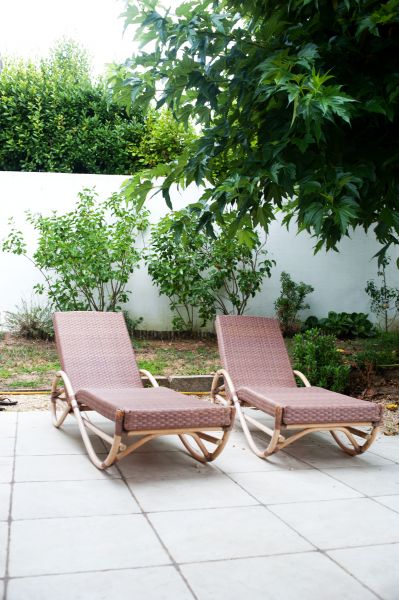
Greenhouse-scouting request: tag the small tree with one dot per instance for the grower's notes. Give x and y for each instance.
(384, 300)
(86, 256)
(290, 302)
(204, 275)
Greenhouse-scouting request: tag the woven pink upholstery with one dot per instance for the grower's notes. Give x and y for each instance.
(252, 350)
(95, 349)
(310, 405)
(156, 408)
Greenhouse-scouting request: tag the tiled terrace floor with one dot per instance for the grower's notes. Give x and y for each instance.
(306, 525)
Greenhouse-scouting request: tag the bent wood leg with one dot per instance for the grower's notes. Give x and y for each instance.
(198, 436)
(350, 432)
(279, 441)
(67, 395)
(63, 403)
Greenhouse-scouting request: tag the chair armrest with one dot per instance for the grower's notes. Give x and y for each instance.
(227, 384)
(302, 378)
(150, 377)
(70, 394)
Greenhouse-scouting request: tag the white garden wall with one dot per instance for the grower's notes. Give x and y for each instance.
(338, 278)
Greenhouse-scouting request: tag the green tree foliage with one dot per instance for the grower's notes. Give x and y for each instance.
(85, 256)
(296, 100)
(201, 274)
(54, 117)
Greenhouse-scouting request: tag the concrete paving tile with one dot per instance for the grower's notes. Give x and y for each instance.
(223, 533)
(59, 468)
(54, 441)
(190, 491)
(238, 458)
(386, 439)
(34, 419)
(390, 501)
(3, 547)
(166, 443)
(5, 491)
(156, 465)
(7, 446)
(8, 423)
(388, 451)
(341, 523)
(6, 465)
(152, 583)
(325, 457)
(72, 499)
(50, 546)
(292, 486)
(374, 481)
(376, 566)
(292, 577)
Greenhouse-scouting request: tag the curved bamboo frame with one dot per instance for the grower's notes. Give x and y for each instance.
(119, 450)
(277, 440)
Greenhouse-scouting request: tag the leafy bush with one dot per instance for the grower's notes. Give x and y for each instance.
(204, 275)
(53, 117)
(290, 302)
(343, 325)
(131, 322)
(31, 321)
(86, 256)
(315, 354)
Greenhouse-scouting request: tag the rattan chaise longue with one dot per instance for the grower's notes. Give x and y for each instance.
(257, 374)
(100, 373)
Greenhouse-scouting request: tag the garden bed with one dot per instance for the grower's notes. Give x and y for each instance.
(30, 365)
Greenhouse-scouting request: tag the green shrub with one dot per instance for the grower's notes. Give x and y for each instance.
(290, 302)
(31, 321)
(86, 256)
(131, 322)
(315, 354)
(343, 325)
(163, 140)
(202, 275)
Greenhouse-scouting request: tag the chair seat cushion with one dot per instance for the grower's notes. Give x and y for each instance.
(155, 408)
(310, 405)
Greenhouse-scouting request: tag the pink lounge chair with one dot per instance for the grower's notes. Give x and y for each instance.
(257, 373)
(99, 372)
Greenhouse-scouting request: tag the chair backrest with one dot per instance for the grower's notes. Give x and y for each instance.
(253, 351)
(95, 350)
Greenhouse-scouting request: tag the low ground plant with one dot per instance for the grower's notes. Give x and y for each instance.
(32, 321)
(343, 325)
